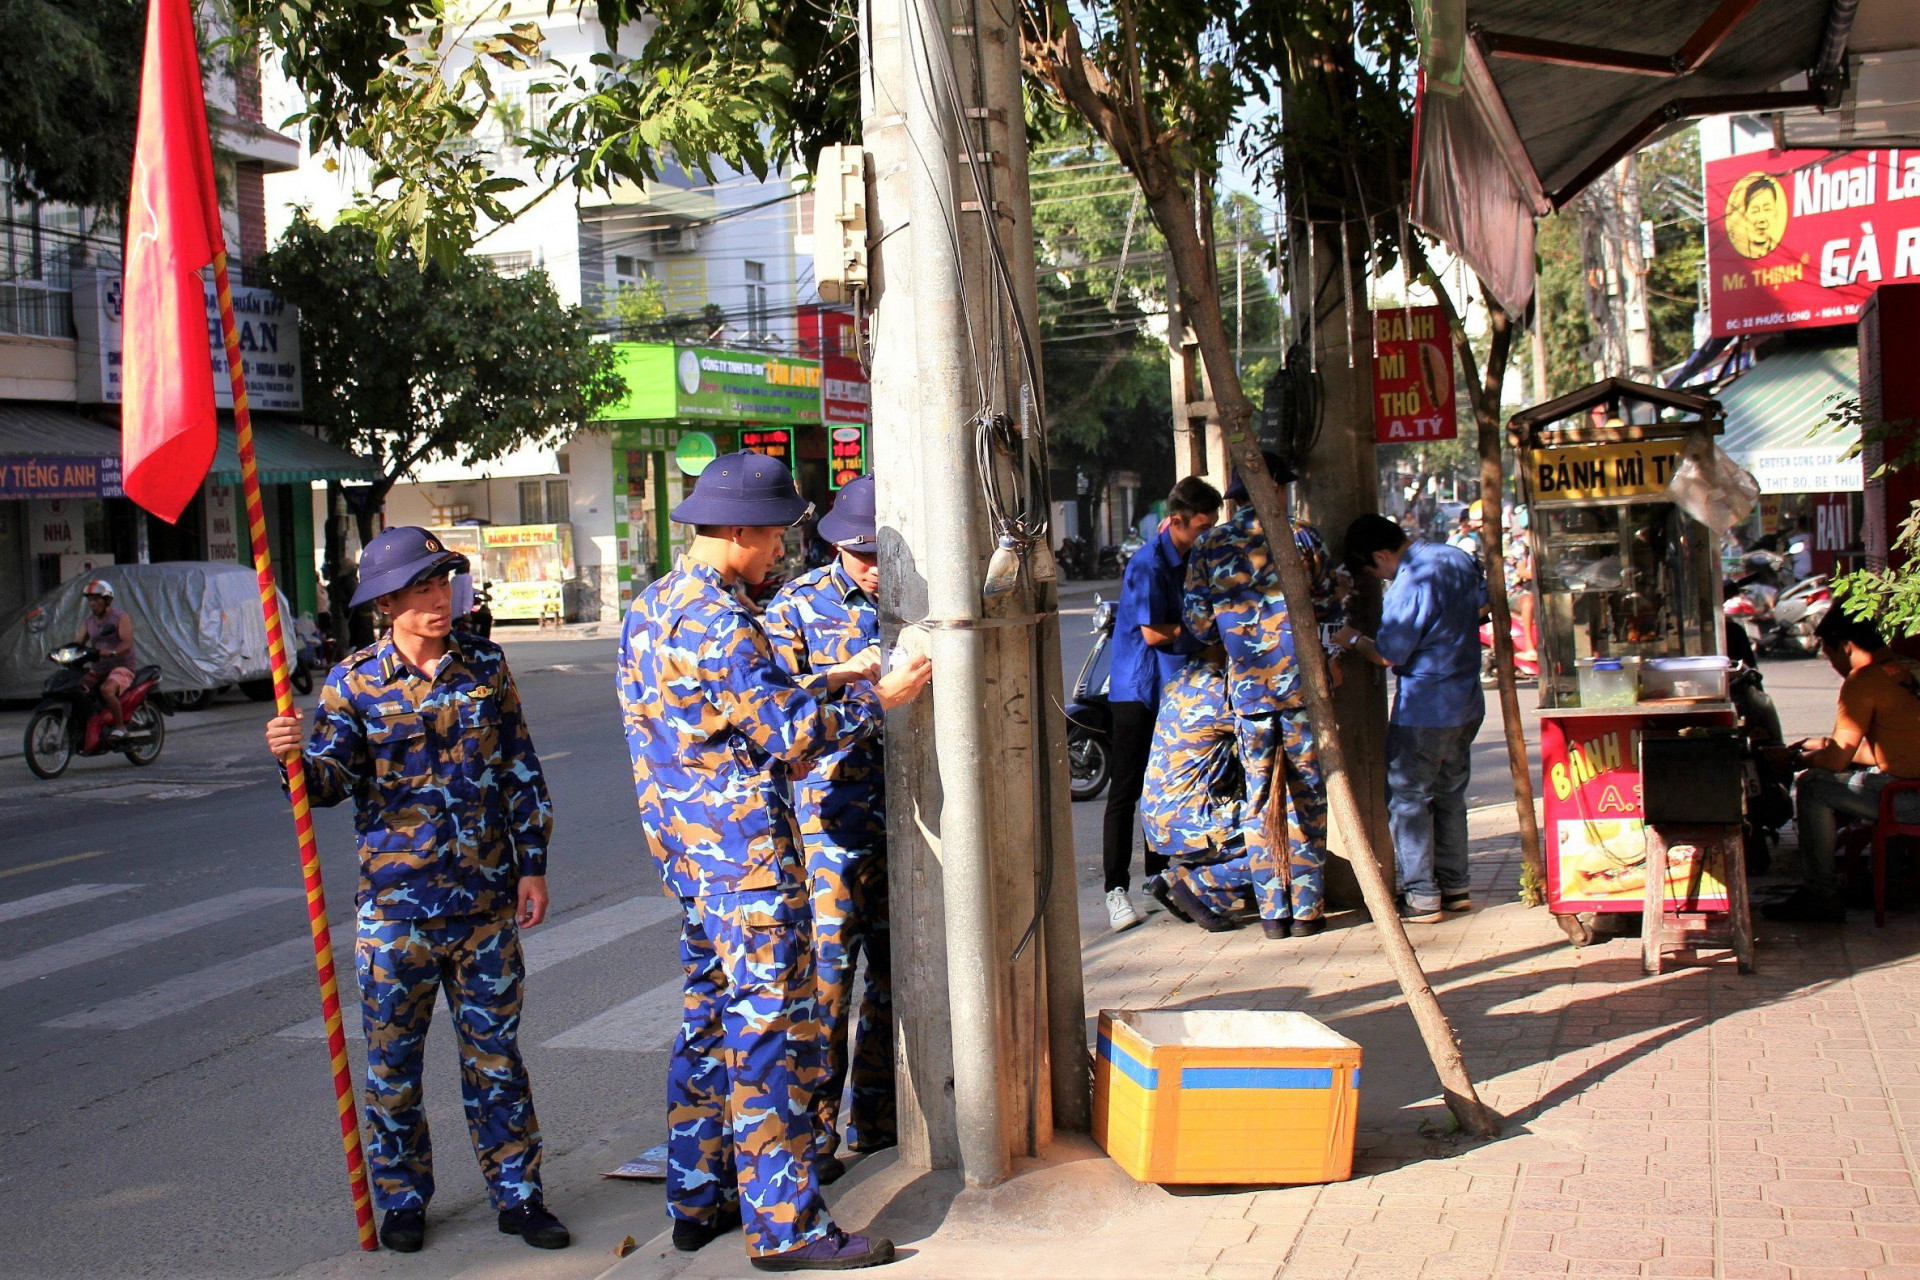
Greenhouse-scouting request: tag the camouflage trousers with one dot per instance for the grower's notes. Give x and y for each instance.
(745, 1070)
(1224, 885)
(850, 919)
(476, 961)
(1303, 812)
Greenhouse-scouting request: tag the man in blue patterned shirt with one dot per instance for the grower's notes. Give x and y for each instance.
(825, 630)
(1233, 599)
(717, 732)
(423, 732)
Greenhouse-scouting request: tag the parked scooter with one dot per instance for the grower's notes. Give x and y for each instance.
(71, 720)
(1769, 789)
(1132, 546)
(478, 621)
(1526, 653)
(1089, 717)
(1797, 614)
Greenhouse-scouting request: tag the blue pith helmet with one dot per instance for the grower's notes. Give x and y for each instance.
(400, 557)
(745, 489)
(851, 523)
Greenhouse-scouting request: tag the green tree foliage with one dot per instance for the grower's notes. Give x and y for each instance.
(69, 87)
(408, 364)
(1672, 198)
(1561, 304)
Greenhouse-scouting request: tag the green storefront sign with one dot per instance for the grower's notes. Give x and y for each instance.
(694, 452)
(743, 386)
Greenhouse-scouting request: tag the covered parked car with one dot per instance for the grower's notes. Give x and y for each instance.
(198, 621)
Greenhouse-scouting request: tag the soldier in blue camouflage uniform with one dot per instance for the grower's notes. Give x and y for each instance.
(1190, 808)
(424, 733)
(823, 626)
(1233, 598)
(716, 731)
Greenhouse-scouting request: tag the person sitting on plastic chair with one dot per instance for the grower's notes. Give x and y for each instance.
(1876, 740)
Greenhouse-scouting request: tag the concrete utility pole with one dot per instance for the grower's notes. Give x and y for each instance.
(988, 1001)
(1617, 275)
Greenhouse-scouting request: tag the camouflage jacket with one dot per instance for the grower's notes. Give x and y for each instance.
(712, 724)
(818, 621)
(449, 800)
(1191, 805)
(1233, 599)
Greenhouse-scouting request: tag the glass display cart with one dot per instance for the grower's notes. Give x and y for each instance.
(1633, 676)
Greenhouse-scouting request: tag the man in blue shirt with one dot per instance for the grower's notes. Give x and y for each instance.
(1149, 648)
(1430, 636)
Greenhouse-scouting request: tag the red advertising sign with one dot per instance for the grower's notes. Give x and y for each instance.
(1596, 834)
(843, 383)
(1412, 376)
(774, 442)
(846, 455)
(1800, 239)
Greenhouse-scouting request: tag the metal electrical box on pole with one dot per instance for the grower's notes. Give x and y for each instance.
(990, 1016)
(840, 223)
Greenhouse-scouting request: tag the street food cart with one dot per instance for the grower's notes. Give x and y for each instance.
(525, 566)
(1640, 761)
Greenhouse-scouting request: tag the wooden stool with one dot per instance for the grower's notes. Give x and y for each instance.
(1686, 931)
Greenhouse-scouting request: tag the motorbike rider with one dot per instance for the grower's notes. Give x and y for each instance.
(108, 632)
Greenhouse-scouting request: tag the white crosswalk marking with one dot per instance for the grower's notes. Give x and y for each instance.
(644, 1023)
(544, 948)
(67, 897)
(191, 990)
(102, 943)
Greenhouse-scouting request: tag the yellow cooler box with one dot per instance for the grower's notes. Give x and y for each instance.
(1225, 1096)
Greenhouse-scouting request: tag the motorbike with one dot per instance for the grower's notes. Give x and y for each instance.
(1526, 654)
(1130, 548)
(1108, 565)
(1072, 559)
(71, 720)
(479, 619)
(1769, 788)
(1797, 614)
(1089, 718)
(309, 654)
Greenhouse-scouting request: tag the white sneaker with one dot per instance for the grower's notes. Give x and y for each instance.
(1120, 913)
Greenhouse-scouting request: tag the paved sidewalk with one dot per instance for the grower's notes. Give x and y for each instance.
(1699, 1123)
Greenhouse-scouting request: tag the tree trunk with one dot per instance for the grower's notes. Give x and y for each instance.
(1200, 298)
(343, 577)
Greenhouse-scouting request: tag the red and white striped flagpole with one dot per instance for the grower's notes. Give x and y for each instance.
(296, 771)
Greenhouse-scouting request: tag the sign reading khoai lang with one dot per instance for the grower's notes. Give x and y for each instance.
(1800, 239)
(1412, 376)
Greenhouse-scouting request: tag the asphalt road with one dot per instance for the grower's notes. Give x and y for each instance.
(170, 1109)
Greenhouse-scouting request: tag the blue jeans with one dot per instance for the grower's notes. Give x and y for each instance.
(1427, 775)
(1819, 794)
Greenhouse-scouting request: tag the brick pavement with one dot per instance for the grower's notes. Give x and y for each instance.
(1699, 1123)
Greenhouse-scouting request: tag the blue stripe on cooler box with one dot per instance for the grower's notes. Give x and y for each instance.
(1256, 1077)
(1356, 1077)
(1133, 1069)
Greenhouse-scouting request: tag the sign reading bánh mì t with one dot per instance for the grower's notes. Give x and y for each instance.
(1800, 239)
(1636, 469)
(1412, 376)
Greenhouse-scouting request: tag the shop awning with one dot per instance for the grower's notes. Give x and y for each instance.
(287, 455)
(1777, 424)
(37, 430)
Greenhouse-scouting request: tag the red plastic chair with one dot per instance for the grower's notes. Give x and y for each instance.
(1885, 828)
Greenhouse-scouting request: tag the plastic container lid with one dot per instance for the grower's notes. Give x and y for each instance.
(1606, 664)
(1705, 662)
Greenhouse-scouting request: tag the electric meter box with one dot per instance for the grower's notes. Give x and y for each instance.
(840, 223)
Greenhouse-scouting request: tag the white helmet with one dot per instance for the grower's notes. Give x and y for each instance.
(99, 587)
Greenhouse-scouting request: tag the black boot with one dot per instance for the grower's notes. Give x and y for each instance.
(404, 1230)
(531, 1221)
(692, 1237)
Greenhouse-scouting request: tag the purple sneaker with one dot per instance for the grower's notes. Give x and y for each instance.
(835, 1251)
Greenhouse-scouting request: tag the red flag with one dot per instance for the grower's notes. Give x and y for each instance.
(167, 424)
